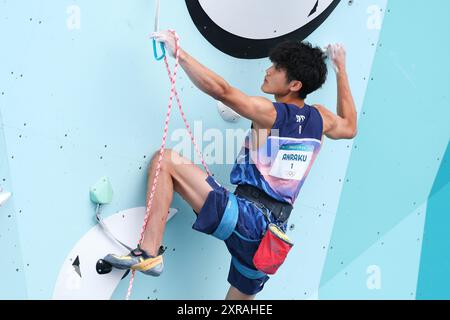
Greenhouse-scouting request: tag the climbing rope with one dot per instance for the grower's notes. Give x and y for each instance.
(173, 92)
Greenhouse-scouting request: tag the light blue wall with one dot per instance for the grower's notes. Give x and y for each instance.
(434, 281)
(403, 134)
(12, 280)
(80, 104)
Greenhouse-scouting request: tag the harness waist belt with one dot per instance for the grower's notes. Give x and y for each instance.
(280, 210)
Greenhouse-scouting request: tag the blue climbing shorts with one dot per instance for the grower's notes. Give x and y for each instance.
(241, 225)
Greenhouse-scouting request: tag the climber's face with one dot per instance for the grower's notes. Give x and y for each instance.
(276, 82)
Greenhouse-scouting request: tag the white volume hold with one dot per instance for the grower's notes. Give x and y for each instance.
(4, 196)
(78, 277)
(227, 113)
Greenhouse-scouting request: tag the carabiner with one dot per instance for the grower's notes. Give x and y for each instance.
(155, 51)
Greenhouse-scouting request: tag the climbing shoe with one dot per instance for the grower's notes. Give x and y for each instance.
(138, 260)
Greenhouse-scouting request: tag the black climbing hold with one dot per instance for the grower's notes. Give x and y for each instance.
(76, 266)
(125, 274)
(103, 267)
(314, 10)
(161, 250)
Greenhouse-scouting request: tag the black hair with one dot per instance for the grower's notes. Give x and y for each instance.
(302, 62)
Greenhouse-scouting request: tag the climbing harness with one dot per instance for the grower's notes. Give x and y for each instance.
(280, 210)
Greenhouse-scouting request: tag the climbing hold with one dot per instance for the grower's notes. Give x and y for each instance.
(103, 267)
(227, 113)
(102, 192)
(4, 196)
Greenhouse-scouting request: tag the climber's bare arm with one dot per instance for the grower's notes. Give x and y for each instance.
(258, 109)
(344, 124)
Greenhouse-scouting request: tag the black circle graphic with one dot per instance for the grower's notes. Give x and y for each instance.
(245, 48)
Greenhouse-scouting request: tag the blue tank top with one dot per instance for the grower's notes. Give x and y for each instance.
(280, 166)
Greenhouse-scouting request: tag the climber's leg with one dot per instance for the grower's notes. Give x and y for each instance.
(176, 174)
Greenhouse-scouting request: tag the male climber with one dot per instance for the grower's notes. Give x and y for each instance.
(265, 189)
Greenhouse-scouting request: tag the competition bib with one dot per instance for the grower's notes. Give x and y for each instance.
(292, 161)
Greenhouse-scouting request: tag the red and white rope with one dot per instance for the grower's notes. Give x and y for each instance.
(173, 92)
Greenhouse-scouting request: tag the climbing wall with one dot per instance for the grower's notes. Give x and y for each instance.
(81, 97)
(388, 238)
(12, 280)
